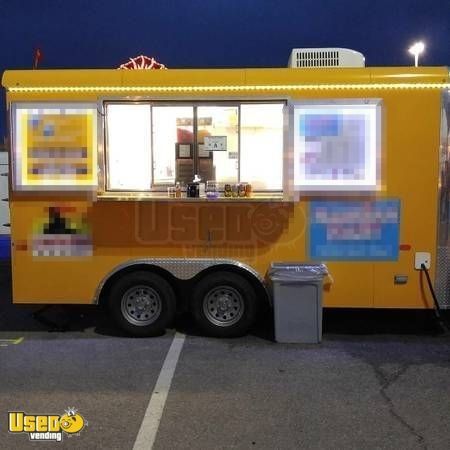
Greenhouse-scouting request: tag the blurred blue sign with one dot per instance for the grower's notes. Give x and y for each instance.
(354, 230)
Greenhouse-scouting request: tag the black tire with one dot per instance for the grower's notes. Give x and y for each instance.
(224, 304)
(142, 303)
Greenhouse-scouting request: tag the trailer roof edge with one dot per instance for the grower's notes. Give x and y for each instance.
(223, 80)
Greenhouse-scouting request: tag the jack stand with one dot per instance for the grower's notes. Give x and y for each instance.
(53, 326)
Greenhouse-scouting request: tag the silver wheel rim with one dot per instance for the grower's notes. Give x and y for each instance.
(141, 305)
(223, 306)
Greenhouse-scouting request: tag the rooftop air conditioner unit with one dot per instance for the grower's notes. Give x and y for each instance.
(325, 57)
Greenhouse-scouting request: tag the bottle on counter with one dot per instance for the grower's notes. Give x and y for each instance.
(212, 190)
(193, 189)
(201, 186)
(227, 192)
(171, 192)
(178, 190)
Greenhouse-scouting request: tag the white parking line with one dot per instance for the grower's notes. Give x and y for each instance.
(6, 342)
(152, 417)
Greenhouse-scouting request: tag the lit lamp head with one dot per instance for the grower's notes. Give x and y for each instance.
(416, 49)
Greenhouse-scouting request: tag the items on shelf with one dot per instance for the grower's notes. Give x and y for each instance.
(210, 190)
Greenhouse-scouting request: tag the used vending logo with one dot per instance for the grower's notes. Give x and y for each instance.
(46, 427)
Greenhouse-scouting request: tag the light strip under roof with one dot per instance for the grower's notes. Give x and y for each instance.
(225, 88)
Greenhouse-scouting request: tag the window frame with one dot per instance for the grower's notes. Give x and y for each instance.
(162, 187)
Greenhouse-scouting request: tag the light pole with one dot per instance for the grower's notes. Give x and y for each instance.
(416, 49)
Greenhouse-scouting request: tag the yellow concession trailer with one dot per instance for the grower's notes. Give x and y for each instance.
(347, 166)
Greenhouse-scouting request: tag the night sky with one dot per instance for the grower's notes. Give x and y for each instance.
(216, 33)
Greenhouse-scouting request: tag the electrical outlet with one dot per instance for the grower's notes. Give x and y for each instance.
(400, 279)
(422, 258)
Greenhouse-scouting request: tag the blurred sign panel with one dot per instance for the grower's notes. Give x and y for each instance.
(354, 230)
(55, 145)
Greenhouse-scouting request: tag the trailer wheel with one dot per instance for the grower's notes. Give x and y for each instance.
(224, 304)
(142, 303)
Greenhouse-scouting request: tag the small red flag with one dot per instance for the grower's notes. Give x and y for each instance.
(37, 58)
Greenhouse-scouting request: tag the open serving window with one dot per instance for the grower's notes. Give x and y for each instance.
(151, 145)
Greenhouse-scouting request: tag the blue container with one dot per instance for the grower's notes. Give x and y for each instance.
(5, 246)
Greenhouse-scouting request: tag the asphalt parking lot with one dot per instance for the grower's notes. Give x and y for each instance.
(378, 380)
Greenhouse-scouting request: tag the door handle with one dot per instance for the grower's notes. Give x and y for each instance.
(7, 225)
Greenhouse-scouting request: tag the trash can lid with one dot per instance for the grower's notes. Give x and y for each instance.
(297, 271)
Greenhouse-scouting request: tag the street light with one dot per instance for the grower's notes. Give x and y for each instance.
(416, 49)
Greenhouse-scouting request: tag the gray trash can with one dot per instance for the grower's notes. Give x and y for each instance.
(297, 301)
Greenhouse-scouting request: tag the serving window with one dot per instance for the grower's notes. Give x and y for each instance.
(152, 145)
